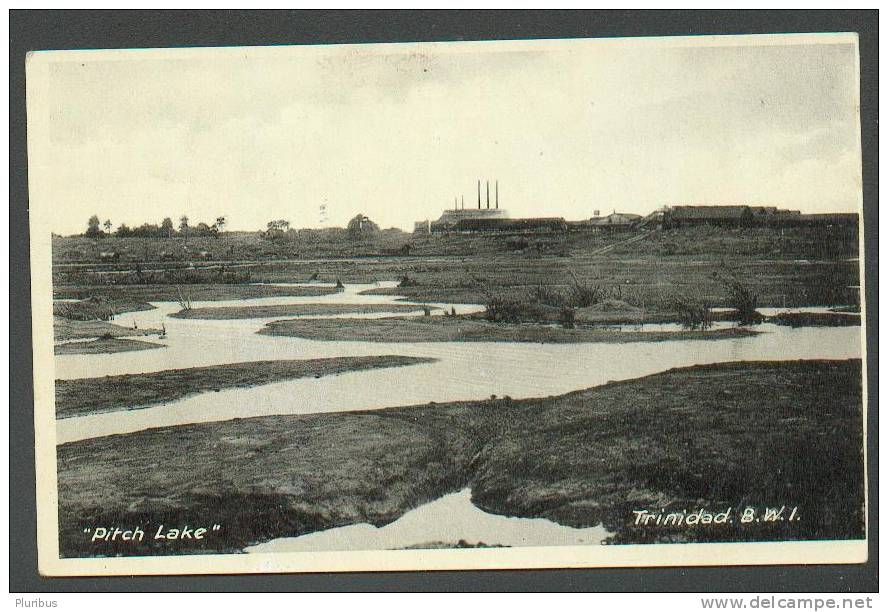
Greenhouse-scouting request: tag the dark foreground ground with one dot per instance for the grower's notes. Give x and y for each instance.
(172, 293)
(134, 391)
(107, 344)
(728, 435)
(64, 329)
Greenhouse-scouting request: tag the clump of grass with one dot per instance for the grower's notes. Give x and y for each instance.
(184, 301)
(500, 309)
(742, 299)
(693, 313)
(406, 281)
(581, 294)
(92, 309)
(548, 295)
(568, 317)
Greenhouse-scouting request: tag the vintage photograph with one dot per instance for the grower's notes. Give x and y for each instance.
(457, 305)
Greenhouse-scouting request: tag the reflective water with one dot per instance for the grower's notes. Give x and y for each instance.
(445, 521)
(463, 370)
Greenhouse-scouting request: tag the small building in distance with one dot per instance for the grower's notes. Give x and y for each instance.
(616, 219)
(613, 222)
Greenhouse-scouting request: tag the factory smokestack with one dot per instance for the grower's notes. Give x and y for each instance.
(479, 194)
(497, 195)
(463, 201)
(488, 195)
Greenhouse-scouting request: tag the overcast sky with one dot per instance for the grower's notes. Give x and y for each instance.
(396, 131)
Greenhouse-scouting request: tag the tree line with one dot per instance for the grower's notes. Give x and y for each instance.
(96, 229)
(360, 226)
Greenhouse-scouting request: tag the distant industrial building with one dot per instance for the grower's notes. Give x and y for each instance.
(489, 218)
(460, 219)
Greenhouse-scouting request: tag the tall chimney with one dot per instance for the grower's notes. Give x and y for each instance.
(479, 194)
(497, 195)
(463, 201)
(488, 195)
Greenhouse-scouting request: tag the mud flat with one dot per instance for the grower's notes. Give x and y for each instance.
(706, 437)
(194, 292)
(96, 309)
(290, 310)
(471, 329)
(134, 391)
(66, 329)
(816, 319)
(104, 345)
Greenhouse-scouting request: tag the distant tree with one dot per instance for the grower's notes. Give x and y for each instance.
(92, 227)
(166, 227)
(361, 226)
(107, 225)
(220, 224)
(276, 229)
(123, 231)
(183, 225)
(147, 230)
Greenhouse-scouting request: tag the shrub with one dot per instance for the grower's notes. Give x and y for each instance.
(582, 295)
(547, 295)
(510, 310)
(693, 313)
(184, 301)
(406, 281)
(742, 300)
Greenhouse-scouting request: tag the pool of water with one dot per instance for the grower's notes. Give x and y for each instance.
(441, 523)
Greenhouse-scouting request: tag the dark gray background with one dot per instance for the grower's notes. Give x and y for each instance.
(30, 30)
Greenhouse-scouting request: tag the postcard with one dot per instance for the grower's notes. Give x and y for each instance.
(456, 305)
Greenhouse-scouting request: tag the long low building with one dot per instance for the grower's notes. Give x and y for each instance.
(614, 221)
(532, 224)
(742, 215)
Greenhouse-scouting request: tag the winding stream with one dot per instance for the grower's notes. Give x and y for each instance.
(463, 370)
